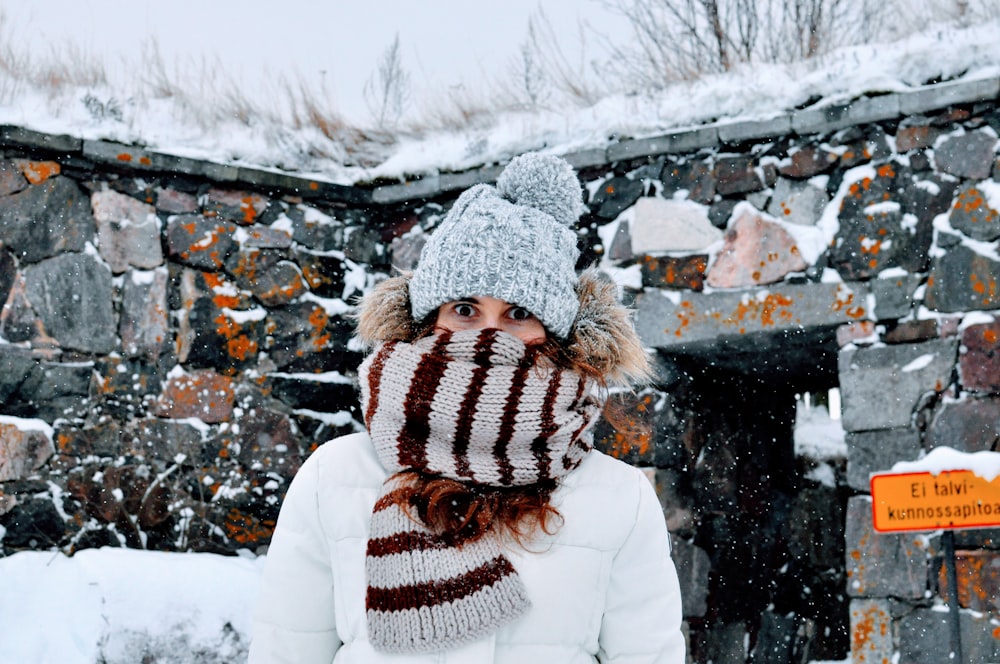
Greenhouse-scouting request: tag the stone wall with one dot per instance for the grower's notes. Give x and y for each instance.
(176, 339)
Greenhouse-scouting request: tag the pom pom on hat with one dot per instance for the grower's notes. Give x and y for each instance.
(513, 242)
(543, 182)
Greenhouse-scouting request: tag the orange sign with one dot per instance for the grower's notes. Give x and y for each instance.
(952, 499)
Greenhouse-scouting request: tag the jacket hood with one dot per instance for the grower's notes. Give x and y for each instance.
(602, 334)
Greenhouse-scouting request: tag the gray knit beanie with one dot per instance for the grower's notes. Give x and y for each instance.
(513, 242)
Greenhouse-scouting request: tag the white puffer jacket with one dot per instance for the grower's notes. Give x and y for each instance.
(602, 589)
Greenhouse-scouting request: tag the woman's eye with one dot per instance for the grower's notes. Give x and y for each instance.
(464, 310)
(520, 313)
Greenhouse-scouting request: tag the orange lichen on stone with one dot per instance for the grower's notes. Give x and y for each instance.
(773, 305)
(990, 336)
(208, 244)
(245, 528)
(145, 161)
(238, 345)
(886, 171)
(866, 624)
(37, 172)
(684, 315)
(319, 337)
(248, 208)
(124, 156)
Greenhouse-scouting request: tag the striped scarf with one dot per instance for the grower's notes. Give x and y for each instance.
(481, 408)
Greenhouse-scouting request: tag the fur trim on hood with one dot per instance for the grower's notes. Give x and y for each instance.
(602, 334)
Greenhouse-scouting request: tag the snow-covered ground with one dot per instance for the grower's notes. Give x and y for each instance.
(109, 605)
(114, 605)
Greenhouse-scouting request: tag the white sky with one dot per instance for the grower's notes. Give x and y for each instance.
(336, 43)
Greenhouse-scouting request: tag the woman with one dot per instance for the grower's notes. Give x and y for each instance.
(473, 521)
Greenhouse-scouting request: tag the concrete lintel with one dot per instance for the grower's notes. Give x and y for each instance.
(19, 136)
(136, 158)
(737, 132)
(683, 141)
(304, 186)
(945, 94)
(587, 158)
(466, 179)
(688, 319)
(395, 193)
(838, 116)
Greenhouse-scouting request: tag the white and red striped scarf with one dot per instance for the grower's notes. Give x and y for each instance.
(481, 408)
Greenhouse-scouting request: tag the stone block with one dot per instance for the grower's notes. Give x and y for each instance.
(894, 295)
(924, 637)
(199, 242)
(736, 175)
(876, 451)
(972, 214)
(963, 280)
(916, 134)
(259, 236)
(128, 231)
(242, 207)
(979, 360)
(756, 251)
(978, 577)
(12, 178)
(871, 631)
(34, 523)
(25, 445)
(73, 297)
(882, 386)
(659, 225)
(696, 318)
(882, 565)
(305, 337)
(144, 326)
(616, 195)
(585, 158)
(46, 219)
(808, 160)
(174, 201)
(798, 203)
(213, 335)
(861, 146)
(969, 425)
(323, 272)
(912, 331)
(694, 177)
(862, 331)
(311, 392)
(967, 155)
(204, 395)
(676, 272)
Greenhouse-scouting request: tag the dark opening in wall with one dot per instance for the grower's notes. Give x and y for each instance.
(769, 520)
